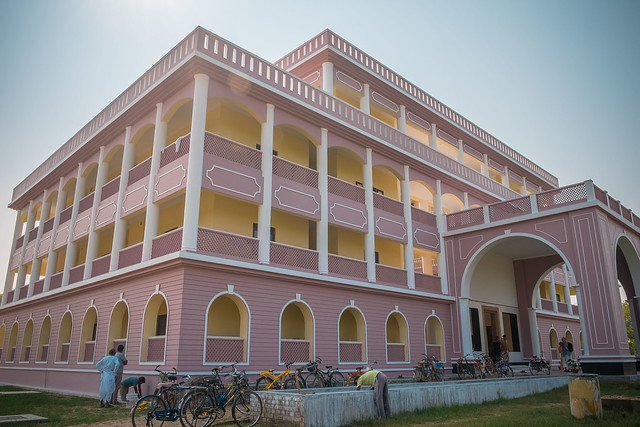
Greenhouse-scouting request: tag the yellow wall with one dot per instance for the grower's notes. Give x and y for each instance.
(224, 318)
(81, 252)
(171, 214)
(346, 243)
(143, 145)
(135, 229)
(60, 257)
(235, 125)
(384, 115)
(473, 163)
(295, 147)
(290, 229)
(179, 124)
(105, 241)
(223, 213)
(389, 252)
(447, 149)
(416, 132)
(344, 167)
(346, 94)
(387, 182)
(293, 323)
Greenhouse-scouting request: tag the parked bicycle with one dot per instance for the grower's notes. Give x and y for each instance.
(203, 404)
(503, 368)
(286, 379)
(537, 366)
(573, 366)
(467, 367)
(318, 378)
(352, 379)
(164, 404)
(485, 366)
(428, 369)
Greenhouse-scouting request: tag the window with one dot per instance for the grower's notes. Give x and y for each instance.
(272, 235)
(510, 322)
(476, 340)
(161, 325)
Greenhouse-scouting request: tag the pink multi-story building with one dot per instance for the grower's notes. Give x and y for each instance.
(225, 208)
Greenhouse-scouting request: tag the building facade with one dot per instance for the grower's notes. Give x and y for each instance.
(225, 208)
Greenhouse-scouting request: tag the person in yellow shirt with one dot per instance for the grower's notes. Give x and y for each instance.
(378, 382)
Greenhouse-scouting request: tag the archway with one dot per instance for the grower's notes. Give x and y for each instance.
(27, 339)
(45, 339)
(64, 338)
(227, 330)
(296, 333)
(118, 326)
(434, 337)
(628, 275)
(88, 336)
(154, 329)
(397, 338)
(352, 336)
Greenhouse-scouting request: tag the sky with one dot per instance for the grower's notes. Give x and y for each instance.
(556, 80)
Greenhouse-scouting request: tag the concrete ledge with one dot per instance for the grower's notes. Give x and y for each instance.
(22, 418)
(339, 406)
(621, 403)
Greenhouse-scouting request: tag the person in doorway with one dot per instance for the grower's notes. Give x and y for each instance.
(123, 361)
(504, 349)
(134, 382)
(378, 382)
(565, 354)
(495, 349)
(107, 367)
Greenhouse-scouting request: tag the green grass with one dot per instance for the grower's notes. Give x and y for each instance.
(544, 409)
(61, 410)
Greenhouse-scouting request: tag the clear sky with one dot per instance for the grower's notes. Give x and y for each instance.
(557, 80)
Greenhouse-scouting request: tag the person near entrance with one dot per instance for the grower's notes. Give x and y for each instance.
(378, 382)
(565, 350)
(495, 349)
(504, 349)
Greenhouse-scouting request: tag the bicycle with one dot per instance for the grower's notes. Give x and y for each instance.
(503, 368)
(537, 365)
(428, 369)
(163, 405)
(203, 404)
(357, 373)
(485, 365)
(269, 381)
(466, 369)
(318, 378)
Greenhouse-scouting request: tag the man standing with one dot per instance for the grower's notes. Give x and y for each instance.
(107, 367)
(378, 382)
(504, 349)
(123, 361)
(565, 354)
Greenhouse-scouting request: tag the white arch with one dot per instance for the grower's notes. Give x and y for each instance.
(40, 344)
(366, 333)
(313, 327)
(58, 344)
(632, 261)
(120, 300)
(144, 315)
(206, 322)
(386, 338)
(424, 331)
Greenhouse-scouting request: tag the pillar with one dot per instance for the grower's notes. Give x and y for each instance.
(567, 291)
(442, 226)
(120, 225)
(485, 168)
(370, 237)
(323, 188)
(365, 101)
(554, 298)
(327, 77)
(72, 249)
(465, 326)
(52, 257)
(264, 210)
(8, 281)
(153, 211)
(506, 182)
(94, 237)
(433, 139)
(408, 250)
(533, 326)
(196, 158)
(36, 263)
(583, 324)
(460, 151)
(402, 120)
(22, 269)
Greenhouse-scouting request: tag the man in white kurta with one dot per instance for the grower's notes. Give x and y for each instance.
(107, 368)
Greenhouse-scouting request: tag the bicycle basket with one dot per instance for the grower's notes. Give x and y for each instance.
(311, 367)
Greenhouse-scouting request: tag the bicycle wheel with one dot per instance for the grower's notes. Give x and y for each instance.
(545, 368)
(336, 379)
(262, 383)
(438, 374)
(145, 411)
(532, 369)
(509, 372)
(489, 367)
(247, 408)
(290, 383)
(197, 409)
(313, 380)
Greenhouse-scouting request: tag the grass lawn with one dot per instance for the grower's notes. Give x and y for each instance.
(61, 410)
(544, 409)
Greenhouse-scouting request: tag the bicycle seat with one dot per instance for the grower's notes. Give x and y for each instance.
(328, 367)
(271, 370)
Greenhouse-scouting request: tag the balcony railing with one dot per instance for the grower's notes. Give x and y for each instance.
(225, 349)
(294, 172)
(176, 150)
(130, 256)
(347, 267)
(295, 257)
(230, 245)
(139, 171)
(428, 283)
(167, 243)
(56, 281)
(110, 188)
(76, 274)
(86, 203)
(391, 275)
(101, 265)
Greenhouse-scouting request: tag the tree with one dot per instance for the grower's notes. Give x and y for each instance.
(629, 325)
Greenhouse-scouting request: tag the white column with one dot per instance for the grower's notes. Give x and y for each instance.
(402, 120)
(506, 181)
(327, 77)
(523, 190)
(323, 188)
(36, 263)
(365, 101)
(370, 237)
(465, 326)
(120, 225)
(196, 158)
(264, 210)
(485, 169)
(8, 281)
(22, 269)
(433, 139)
(94, 237)
(153, 211)
(442, 226)
(633, 312)
(567, 292)
(52, 257)
(72, 248)
(533, 326)
(465, 197)
(539, 299)
(408, 249)
(461, 151)
(554, 298)
(583, 324)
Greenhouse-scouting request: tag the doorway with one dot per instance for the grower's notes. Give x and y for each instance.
(491, 330)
